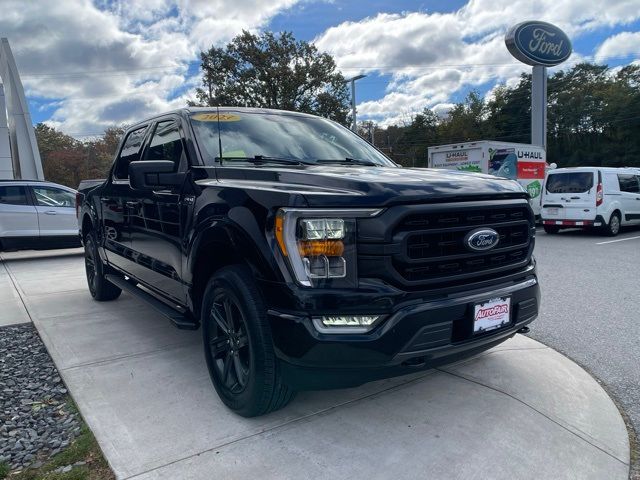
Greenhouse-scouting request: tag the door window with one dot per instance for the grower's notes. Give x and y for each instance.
(13, 195)
(629, 183)
(130, 152)
(54, 197)
(166, 144)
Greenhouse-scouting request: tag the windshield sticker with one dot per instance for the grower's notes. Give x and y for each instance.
(213, 117)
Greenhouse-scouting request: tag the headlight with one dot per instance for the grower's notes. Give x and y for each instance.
(320, 245)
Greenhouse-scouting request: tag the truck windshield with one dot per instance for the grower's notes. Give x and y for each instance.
(570, 182)
(280, 138)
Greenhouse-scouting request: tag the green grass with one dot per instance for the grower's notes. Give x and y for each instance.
(4, 469)
(83, 448)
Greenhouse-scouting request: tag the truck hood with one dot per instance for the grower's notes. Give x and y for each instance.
(380, 186)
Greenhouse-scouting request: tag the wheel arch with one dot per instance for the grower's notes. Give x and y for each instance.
(219, 246)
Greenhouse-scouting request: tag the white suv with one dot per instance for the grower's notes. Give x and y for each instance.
(37, 214)
(585, 197)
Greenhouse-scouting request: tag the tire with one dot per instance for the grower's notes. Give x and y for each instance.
(238, 346)
(551, 229)
(100, 288)
(612, 228)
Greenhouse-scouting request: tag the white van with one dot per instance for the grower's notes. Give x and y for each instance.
(591, 197)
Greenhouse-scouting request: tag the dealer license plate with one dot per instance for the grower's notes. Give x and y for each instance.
(492, 314)
(553, 211)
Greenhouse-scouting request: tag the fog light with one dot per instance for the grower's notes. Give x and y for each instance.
(345, 323)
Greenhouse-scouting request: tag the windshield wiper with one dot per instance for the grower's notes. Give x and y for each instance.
(349, 161)
(260, 159)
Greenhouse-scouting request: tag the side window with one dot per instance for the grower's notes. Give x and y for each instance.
(166, 143)
(629, 183)
(53, 197)
(130, 152)
(13, 195)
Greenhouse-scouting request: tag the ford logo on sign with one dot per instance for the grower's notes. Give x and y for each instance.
(538, 43)
(481, 239)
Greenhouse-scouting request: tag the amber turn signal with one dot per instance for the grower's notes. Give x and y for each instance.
(315, 248)
(279, 232)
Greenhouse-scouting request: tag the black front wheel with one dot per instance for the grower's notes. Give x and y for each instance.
(238, 347)
(99, 287)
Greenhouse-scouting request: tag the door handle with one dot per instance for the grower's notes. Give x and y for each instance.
(133, 204)
(50, 212)
(575, 198)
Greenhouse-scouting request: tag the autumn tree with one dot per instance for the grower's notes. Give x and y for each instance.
(273, 71)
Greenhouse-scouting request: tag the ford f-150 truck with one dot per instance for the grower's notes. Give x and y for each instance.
(309, 259)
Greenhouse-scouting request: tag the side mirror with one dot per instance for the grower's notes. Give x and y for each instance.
(152, 174)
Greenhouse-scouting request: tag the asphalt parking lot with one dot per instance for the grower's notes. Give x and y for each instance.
(591, 307)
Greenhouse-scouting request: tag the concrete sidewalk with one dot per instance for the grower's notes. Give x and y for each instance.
(520, 410)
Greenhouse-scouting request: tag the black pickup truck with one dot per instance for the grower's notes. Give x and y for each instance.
(309, 258)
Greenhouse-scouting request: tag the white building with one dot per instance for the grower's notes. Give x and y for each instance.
(19, 154)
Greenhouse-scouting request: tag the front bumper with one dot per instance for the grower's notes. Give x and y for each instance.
(421, 334)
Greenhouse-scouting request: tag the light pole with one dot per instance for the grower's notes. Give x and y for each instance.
(353, 99)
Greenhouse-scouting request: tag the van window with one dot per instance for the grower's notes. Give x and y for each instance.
(13, 195)
(570, 182)
(628, 183)
(54, 197)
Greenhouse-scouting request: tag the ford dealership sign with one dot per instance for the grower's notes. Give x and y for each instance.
(538, 43)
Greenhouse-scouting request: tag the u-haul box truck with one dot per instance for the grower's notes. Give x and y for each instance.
(517, 161)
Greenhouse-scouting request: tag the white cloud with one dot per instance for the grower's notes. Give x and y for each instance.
(622, 44)
(431, 56)
(118, 61)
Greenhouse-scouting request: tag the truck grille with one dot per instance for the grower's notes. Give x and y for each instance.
(428, 248)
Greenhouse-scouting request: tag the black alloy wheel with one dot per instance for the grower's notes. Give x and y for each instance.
(229, 343)
(238, 346)
(100, 288)
(90, 268)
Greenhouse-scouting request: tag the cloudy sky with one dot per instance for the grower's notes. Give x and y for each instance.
(88, 65)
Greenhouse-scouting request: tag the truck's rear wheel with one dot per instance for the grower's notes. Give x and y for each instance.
(99, 287)
(238, 347)
(551, 229)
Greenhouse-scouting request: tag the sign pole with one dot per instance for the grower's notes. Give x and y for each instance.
(539, 106)
(540, 45)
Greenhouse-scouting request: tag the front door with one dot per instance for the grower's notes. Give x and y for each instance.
(56, 211)
(116, 199)
(156, 234)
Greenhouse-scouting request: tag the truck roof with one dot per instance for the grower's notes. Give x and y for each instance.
(480, 143)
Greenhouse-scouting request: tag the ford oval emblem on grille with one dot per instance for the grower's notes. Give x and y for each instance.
(481, 239)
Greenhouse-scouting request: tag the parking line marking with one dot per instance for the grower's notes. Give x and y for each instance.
(618, 240)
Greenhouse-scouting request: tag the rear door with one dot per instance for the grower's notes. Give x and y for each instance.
(18, 217)
(630, 197)
(56, 211)
(570, 195)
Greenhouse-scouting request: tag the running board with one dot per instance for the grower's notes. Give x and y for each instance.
(179, 320)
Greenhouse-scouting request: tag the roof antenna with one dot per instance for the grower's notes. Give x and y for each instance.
(219, 138)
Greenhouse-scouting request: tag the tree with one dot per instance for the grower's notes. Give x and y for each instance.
(273, 71)
(67, 161)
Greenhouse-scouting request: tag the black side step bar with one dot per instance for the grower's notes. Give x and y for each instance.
(179, 320)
